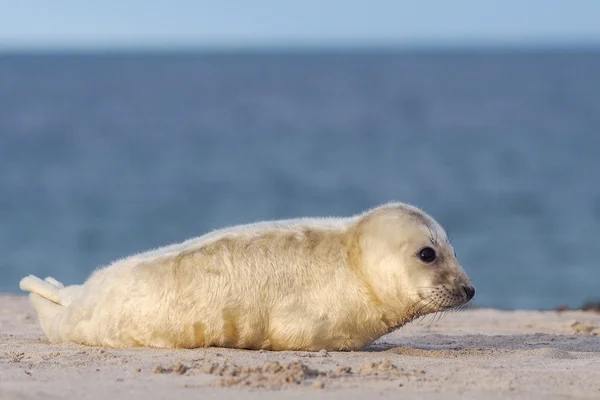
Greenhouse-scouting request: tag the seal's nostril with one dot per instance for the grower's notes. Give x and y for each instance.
(469, 291)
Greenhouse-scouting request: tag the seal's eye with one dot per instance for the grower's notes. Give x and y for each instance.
(427, 255)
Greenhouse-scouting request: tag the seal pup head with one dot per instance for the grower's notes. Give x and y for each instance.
(409, 264)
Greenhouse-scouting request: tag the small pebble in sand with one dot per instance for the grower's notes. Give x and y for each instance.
(318, 385)
(179, 369)
(272, 367)
(138, 370)
(323, 353)
(376, 367)
(343, 369)
(158, 369)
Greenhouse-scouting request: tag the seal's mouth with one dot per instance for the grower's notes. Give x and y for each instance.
(444, 297)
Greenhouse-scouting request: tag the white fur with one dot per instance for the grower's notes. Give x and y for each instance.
(313, 283)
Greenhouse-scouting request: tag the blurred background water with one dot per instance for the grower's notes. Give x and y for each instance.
(102, 156)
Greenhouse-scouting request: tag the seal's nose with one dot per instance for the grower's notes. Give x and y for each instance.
(469, 291)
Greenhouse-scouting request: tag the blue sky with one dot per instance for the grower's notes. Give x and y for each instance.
(281, 23)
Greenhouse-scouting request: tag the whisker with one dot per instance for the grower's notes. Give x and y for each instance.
(423, 318)
(433, 319)
(429, 301)
(442, 316)
(423, 307)
(436, 305)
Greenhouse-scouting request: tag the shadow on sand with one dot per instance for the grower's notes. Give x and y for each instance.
(485, 344)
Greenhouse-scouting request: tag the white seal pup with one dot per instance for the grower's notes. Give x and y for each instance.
(299, 284)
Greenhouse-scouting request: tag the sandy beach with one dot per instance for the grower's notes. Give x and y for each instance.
(472, 354)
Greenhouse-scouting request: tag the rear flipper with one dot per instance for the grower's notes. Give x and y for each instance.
(54, 282)
(51, 289)
(47, 313)
(47, 290)
(50, 298)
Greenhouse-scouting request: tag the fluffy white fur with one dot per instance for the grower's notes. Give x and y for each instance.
(303, 284)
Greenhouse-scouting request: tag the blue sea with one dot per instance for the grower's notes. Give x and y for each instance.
(105, 155)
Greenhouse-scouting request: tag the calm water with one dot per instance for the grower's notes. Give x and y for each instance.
(103, 156)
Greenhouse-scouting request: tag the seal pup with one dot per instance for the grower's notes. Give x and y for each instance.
(298, 284)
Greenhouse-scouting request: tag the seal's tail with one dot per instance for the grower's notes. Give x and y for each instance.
(45, 297)
(49, 288)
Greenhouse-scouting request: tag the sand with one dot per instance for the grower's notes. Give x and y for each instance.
(473, 354)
